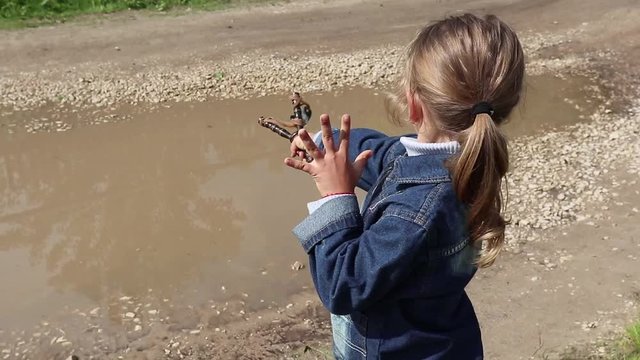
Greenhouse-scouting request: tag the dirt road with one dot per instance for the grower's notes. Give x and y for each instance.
(105, 228)
(296, 27)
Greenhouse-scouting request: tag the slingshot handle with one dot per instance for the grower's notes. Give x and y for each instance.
(282, 132)
(307, 157)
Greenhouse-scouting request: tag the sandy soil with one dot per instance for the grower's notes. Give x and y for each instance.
(574, 284)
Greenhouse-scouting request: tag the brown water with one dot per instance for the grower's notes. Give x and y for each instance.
(187, 203)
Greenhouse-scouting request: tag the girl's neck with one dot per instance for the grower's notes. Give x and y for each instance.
(431, 134)
(428, 132)
(436, 137)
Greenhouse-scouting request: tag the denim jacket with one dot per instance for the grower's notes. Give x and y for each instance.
(393, 275)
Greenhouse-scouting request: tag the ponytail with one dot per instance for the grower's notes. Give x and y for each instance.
(477, 179)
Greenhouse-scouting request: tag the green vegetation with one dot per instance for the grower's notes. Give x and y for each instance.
(20, 13)
(631, 345)
(627, 347)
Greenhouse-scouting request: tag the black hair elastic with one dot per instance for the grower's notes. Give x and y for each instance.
(482, 107)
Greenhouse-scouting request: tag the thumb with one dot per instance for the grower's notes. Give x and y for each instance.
(360, 162)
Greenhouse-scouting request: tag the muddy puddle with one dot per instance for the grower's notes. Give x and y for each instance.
(181, 204)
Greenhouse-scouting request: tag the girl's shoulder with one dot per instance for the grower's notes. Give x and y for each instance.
(385, 148)
(418, 187)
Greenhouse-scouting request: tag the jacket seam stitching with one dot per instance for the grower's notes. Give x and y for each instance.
(374, 206)
(422, 180)
(427, 206)
(406, 215)
(449, 251)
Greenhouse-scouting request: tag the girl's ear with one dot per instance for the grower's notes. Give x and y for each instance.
(414, 106)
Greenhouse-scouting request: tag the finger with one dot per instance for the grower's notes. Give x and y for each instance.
(297, 164)
(345, 129)
(360, 162)
(311, 147)
(327, 134)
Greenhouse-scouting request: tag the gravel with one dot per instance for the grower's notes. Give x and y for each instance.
(249, 75)
(557, 176)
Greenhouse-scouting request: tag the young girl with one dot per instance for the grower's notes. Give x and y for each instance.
(393, 275)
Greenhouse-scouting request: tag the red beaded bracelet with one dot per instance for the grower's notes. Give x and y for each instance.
(339, 193)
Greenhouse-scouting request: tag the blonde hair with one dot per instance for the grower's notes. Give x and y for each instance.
(452, 65)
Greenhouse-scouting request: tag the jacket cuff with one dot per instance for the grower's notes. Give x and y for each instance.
(339, 213)
(315, 205)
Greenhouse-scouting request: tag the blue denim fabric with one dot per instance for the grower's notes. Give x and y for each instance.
(393, 275)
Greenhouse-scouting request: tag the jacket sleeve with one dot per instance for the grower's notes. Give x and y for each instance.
(352, 268)
(359, 141)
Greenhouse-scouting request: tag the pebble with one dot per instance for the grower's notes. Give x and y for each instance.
(534, 209)
(241, 76)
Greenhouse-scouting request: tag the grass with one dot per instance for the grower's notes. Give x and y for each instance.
(627, 347)
(27, 13)
(632, 343)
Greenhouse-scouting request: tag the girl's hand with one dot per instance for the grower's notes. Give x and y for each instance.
(331, 169)
(297, 146)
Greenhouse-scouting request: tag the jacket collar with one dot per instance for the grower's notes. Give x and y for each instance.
(421, 169)
(418, 169)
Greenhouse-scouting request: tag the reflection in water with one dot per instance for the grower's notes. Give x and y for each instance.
(111, 217)
(185, 201)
